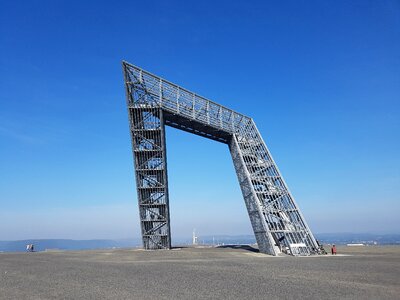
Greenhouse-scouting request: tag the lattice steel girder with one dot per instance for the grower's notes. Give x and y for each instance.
(153, 103)
(148, 143)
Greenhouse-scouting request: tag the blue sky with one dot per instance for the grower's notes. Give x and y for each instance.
(320, 78)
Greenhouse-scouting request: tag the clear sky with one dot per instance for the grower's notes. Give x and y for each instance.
(320, 78)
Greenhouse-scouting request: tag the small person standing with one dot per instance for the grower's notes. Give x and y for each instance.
(28, 247)
(333, 250)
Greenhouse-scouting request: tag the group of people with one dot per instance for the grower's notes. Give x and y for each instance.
(29, 248)
(322, 250)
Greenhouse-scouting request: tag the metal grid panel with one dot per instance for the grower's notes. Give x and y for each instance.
(148, 144)
(277, 222)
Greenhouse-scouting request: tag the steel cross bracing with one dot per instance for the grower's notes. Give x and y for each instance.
(153, 103)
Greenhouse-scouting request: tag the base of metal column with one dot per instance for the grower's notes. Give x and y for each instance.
(148, 139)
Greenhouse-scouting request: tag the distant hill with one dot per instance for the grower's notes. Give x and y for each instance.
(365, 238)
(226, 239)
(64, 244)
(324, 238)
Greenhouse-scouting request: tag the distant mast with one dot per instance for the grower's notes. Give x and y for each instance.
(194, 238)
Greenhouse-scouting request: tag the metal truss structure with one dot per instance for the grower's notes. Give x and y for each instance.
(153, 103)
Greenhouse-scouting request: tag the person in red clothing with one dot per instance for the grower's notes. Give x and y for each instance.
(333, 249)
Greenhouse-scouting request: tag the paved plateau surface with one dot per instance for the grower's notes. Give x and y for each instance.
(200, 273)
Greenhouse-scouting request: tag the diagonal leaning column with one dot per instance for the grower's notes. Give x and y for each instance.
(254, 209)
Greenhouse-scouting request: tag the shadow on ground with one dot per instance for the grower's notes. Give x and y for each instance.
(240, 247)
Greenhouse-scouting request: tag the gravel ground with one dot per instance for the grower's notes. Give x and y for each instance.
(200, 273)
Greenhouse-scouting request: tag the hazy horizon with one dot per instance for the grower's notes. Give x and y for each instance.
(178, 239)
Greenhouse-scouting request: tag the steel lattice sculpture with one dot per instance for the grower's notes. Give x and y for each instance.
(153, 103)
